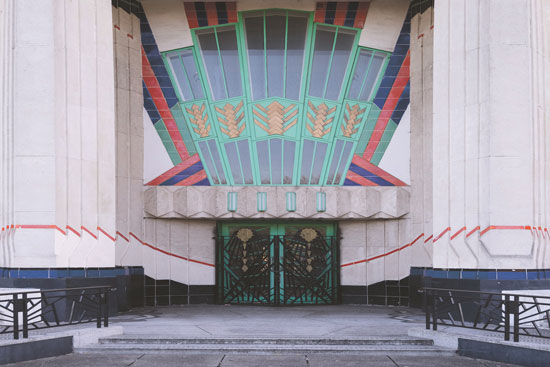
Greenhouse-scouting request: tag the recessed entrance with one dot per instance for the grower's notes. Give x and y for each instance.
(277, 263)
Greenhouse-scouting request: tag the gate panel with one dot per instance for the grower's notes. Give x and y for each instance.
(308, 271)
(248, 267)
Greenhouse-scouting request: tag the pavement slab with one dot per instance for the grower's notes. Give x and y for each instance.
(219, 360)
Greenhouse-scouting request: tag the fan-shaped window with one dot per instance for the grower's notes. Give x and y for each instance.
(184, 71)
(331, 55)
(276, 98)
(366, 77)
(275, 42)
(219, 48)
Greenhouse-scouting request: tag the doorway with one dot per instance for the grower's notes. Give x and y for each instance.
(279, 263)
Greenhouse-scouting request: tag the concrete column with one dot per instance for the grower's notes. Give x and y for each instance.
(422, 43)
(129, 136)
(57, 133)
(490, 118)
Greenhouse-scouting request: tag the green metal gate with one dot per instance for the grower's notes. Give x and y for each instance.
(278, 264)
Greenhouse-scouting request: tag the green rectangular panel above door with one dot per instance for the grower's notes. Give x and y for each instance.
(276, 116)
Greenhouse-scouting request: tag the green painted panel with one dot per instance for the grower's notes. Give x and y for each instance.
(199, 119)
(352, 119)
(230, 119)
(384, 142)
(275, 116)
(184, 131)
(367, 130)
(167, 142)
(320, 119)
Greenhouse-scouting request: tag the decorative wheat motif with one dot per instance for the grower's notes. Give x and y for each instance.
(231, 121)
(352, 117)
(320, 120)
(200, 120)
(275, 120)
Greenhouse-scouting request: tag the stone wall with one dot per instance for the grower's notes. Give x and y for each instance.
(58, 140)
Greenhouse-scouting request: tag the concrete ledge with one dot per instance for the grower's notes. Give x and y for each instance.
(35, 348)
(488, 347)
(506, 353)
(440, 339)
(52, 344)
(342, 202)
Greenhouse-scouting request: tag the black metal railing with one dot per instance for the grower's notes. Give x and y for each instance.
(516, 314)
(278, 270)
(42, 309)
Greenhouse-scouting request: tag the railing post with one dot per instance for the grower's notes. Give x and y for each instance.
(15, 305)
(434, 312)
(25, 317)
(516, 318)
(507, 317)
(426, 308)
(106, 310)
(99, 307)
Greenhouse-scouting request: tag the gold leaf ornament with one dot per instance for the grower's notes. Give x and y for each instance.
(309, 234)
(352, 117)
(275, 119)
(199, 119)
(319, 121)
(244, 234)
(231, 119)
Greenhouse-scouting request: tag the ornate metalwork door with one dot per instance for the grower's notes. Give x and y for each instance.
(277, 264)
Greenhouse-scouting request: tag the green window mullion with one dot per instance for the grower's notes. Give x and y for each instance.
(282, 161)
(240, 162)
(221, 63)
(348, 162)
(330, 64)
(215, 167)
(380, 75)
(339, 161)
(269, 161)
(286, 46)
(366, 72)
(312, 163)
(186, 75)
(265, 57)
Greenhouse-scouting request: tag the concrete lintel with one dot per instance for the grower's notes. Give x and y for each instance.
(201, 202)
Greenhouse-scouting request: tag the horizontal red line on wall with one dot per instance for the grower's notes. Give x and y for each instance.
(442, 234)
(385, 254)
(89, 232)
(429, 238)
(463, 229)
(490, 228)
(73, 230)
(472, 231)
(106, 234)
(44, 226)
(169, 253)
(123, 236)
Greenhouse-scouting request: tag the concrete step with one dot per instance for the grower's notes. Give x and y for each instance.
(269, 341)
(261, 349)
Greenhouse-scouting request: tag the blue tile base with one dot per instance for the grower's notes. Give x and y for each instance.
(487, 280)
(128, 282)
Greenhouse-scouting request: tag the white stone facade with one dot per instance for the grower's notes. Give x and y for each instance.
(73, 146)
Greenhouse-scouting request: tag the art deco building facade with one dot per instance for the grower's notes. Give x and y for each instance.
(274, 152)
